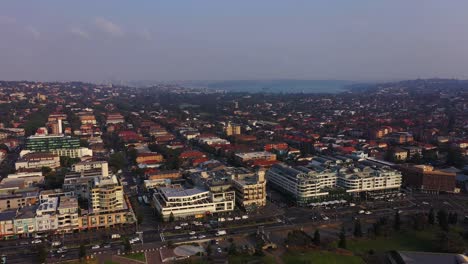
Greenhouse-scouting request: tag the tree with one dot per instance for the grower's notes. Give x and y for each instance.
(419, 221)
(317, 237)
(450, 242)
(171, 217)
(357, 228)
(208, 250)
(397, 221)
(442, 218)
(41, 254)
(82, 252)
(232, 249)
(453, 218)
(342, 236)
(127, 245)
(431, 217)
(117, 161)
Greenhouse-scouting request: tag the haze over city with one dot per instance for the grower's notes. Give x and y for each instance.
(229, 132)
(230, 40)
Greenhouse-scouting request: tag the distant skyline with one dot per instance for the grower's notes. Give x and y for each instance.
(360, 40)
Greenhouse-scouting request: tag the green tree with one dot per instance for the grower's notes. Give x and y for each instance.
(397, 221)
(117, 161)
(171, 217)
(357, 228)
(41, 254)
(442, 218)
(450, 242)
(431, 217)
(82, 252)
(232, 249)
(127, 245)
(455, 158)
(342, 237)
(317, 237)
(209, 250)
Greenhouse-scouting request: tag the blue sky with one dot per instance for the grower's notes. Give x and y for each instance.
(243, 39)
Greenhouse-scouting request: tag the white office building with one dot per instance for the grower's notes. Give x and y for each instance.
(195, 202)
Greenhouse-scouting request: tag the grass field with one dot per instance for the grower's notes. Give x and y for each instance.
(410, 240)
(320, 257)
(241, 259)
(136, 256)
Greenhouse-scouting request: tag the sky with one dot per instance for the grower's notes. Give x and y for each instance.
(162, 40)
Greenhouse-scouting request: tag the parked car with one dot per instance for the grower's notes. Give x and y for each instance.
(36, 241)
(177, 227)
(96, 247)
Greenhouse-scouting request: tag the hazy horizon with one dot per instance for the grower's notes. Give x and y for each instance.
(208, 40)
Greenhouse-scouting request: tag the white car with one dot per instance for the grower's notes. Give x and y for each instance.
(183, 224)
(362, 211)
(201, 236)
(352, 204)
(245, 217)
(229, 219)
(193, 237)
(368, 212)
(36, 241)
(237, 218)
(96, 247)
(177, 227)
(191, 233)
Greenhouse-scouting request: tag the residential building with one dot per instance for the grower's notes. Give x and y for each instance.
(67, 216)
(428, 179)
(17, 200)
(232, 129)
(7, 226)
(250, 189)
(92, 165)
(107, 195)
(368, 182)
(196, 202)
(37, 160)
(252, 156)
(57, 144)
(302, 184)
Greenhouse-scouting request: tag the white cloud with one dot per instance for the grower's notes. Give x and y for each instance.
(33, 31)
(79, 32)
(6, 20)
(109, 27)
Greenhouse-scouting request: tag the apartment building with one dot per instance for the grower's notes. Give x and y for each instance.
(428, 179)
(252, 156)
(7, 226)
(60, 145)
(67, 215)
(37, 160)
(107, 195)
(195, 202)
(17, 200)
(302, 184)
(250, 189)
(92, 165)
(369, 182)
(232, 129)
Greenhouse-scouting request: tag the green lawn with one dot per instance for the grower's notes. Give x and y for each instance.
(320, 257)
(110, 262)
(136, 256)
(241, 259)
(410, 240)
